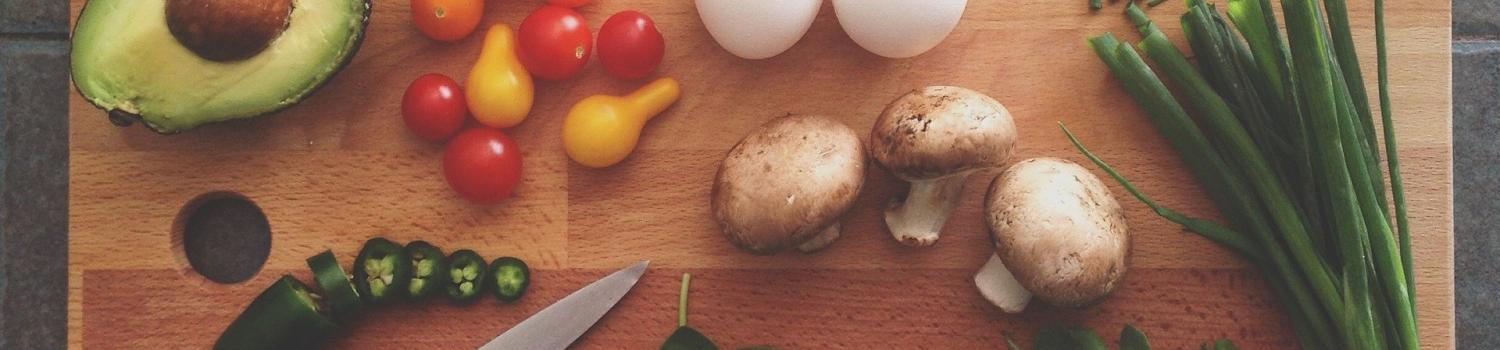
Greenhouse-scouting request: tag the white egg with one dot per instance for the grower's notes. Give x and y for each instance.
(756, 29)
(898, 28)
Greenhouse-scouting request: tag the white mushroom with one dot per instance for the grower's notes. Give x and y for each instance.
(1057, 229)
(935, 137)
(788, 183)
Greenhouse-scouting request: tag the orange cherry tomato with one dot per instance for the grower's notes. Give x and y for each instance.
(446, 20)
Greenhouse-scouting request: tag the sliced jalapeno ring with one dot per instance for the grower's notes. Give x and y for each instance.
(428, 271)
(287, 315)
(381, 272)
(509, 278)
(338, 290)
(466, 276)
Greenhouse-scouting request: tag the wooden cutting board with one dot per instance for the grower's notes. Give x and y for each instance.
(341, 168)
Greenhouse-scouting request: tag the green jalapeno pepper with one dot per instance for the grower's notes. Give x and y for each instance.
(466, 276)
(338, 291)
(287, 315)
(428, 270)
(509, 278)
(381, 272)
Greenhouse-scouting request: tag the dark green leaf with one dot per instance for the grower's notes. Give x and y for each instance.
(1133, 339)
(687, 338)
(1060, 338)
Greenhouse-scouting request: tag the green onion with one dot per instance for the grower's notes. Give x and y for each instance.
(1282, 139)
(1238, 148)
(1348, 62)
(1390, 151)
(1293, 294)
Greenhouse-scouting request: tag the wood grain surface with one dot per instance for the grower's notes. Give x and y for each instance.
(340, 168)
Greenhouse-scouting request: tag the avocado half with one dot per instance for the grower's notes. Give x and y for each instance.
(178, 64)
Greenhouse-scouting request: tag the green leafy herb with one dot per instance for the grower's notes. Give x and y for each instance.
(1079, 338)
(685, 337)
(1221, 344)
(1068, 338)
(1133, 339)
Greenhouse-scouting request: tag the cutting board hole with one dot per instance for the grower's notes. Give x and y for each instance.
(224, 236)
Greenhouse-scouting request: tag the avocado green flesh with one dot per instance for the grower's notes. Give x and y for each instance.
(126, 59)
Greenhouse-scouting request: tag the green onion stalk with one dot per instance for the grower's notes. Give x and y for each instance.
(1281, 134)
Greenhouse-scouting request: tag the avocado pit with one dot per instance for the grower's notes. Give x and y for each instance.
(227, 30)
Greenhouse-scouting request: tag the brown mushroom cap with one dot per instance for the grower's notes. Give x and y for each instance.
(1058, 230)
(937, 131)
(787, 181)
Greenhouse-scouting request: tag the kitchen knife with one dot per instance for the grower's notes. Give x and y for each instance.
(561, 323)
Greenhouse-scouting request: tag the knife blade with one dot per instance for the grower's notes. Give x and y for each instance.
(561, 323)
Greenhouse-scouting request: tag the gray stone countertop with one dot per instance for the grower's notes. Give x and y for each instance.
(1476, 181)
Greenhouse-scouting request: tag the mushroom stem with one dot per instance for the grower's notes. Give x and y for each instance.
(918, 219)
(1000, 287)
(822, 240)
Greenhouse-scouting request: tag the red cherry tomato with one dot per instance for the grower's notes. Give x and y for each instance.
(482, 165)
(433, 107)
(446, 20)
(568, 3)
(629, 45)
(554, 42)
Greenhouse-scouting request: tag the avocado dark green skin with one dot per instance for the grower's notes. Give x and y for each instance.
(125, 119)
